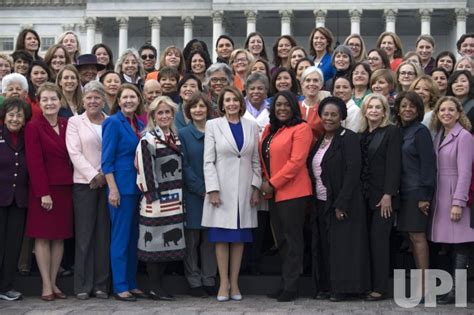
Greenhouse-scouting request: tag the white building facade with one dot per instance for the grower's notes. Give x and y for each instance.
(127, 23)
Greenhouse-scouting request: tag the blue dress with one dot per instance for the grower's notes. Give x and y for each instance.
(220, 235)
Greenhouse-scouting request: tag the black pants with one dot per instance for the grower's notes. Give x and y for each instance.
(253, 251)
(287, 219)
(12, 224)
(320, 248)
(379, 236)
(156, 272)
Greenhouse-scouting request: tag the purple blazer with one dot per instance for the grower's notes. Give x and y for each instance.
(13, 171)
(454, 156)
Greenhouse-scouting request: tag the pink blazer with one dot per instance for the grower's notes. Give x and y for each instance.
(84, 146)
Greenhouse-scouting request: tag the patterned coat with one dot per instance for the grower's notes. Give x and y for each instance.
(159, 165)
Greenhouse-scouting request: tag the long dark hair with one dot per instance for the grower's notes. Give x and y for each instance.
(295, 119)
(294, 83)
(31, 88)
(110, 65)
(263, 54)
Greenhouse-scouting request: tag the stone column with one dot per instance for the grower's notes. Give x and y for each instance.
(68, 27)
(320, 17)
(123, 33)
(91, 24)
(251, 21)
(188, 28)
(99, 31)
(286, 16)
(390, 19)
(355, 20)
(155, 23)
(217, 17)
(425, 16)
(461, 17)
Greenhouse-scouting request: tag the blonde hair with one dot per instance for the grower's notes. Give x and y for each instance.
(151, 124)
(7, 59)
(432, 86)
(61, 38)
(248, 55)
(463, 120)
(363, 50)
(363, 110)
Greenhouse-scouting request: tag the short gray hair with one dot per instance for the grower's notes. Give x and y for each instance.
(255, 77)
(312, 69)
(220, 66)
(14, 78)
(94, 86)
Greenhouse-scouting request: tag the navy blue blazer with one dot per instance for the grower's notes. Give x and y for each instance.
(119, 143)
(192, 146)
(13, 170)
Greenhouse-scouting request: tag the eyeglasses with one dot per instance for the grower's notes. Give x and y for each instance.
(240, 60)
(149, 56)
(219, 80)
(373, 58)
(354, 45)
(407, 73)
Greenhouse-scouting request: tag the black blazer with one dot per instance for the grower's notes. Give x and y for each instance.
(340, 174)
(384, 159)
(13, 171)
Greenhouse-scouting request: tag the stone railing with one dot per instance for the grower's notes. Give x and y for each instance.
(41, 3)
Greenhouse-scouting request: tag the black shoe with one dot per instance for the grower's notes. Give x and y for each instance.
(161, 295)
(66, 273)
(140, 295)
(373, 298)
(337, 297)
(129, 298)
(449, 298)
(287, 296)
(321, 295)
(211, 290)
(198, 292)
(275, 294)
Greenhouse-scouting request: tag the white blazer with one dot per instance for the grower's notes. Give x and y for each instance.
(84, 146)
(231, 173)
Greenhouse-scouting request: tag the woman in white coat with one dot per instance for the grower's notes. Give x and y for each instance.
(232, 176)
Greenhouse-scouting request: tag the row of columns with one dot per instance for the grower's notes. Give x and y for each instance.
(390, 16)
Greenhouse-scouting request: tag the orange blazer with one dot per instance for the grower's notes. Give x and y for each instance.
(314, 121)
(289, 149)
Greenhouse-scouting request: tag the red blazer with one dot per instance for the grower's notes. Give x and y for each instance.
(289, 150)
(314, 121)
(46, 155)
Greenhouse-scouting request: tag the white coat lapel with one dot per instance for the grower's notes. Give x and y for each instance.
(224, 128)
(247, 128)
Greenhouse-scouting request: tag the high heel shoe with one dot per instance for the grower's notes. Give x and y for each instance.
(224, 298)
(236, 297)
